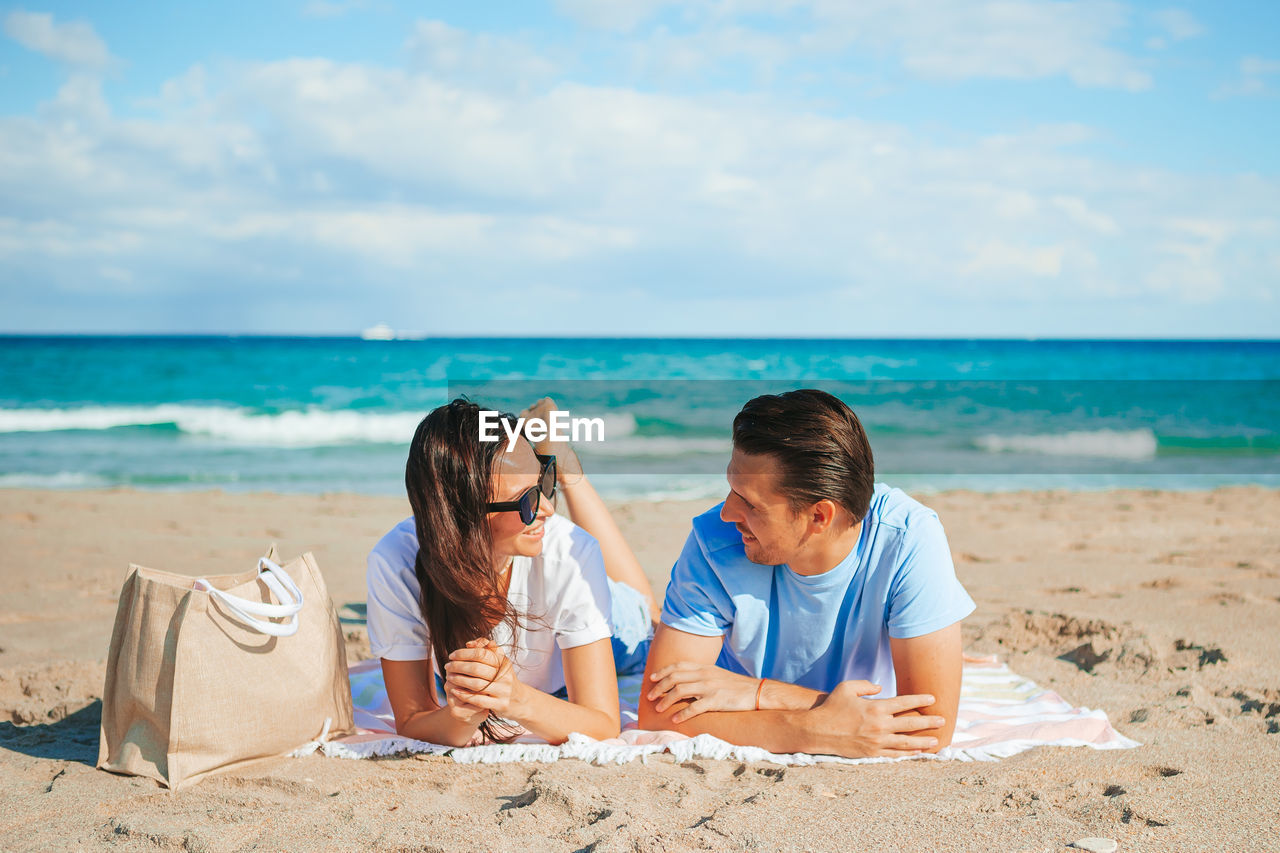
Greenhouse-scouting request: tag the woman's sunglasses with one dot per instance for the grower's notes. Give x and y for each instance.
(527, 503)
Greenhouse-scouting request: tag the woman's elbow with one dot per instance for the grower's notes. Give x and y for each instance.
(609, 727)
(600, 731)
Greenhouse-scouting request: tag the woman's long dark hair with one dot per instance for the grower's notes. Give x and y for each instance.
(448, 479)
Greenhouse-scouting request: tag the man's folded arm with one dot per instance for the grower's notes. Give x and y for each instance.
(841, 723)
(926, 595)
(932, 664)
(776, 731)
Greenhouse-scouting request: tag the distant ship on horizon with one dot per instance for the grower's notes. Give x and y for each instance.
(383, 332)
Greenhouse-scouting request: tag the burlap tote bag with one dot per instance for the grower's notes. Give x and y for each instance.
(206, 674)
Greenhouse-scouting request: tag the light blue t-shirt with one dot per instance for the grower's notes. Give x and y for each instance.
(819, 630)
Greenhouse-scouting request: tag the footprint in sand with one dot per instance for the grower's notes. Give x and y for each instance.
(1263, 702)
(584, 807)
(1085, 657)
(1128, 815)
(1187, 654)
(1155, 772)
(1162, 583)
(1085, 643)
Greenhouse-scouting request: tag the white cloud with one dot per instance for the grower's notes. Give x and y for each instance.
(333, 8)
(1190, 267)
(1257, 66)
(476, 58)
(1195, 284)
(396, 180)
(618, 15)
(934, 39)
(403, 236)
(666, 55)
(1177, 24)
(1011, 39)
(1254, 71)
(1001, 258)
(73, 42)
(62, 240)
(1079, 212)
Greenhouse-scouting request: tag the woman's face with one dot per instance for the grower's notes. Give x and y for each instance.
(514, 473)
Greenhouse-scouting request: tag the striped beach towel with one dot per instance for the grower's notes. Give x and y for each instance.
(1000, 714)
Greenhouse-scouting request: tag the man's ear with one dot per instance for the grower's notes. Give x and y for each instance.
(822, 515)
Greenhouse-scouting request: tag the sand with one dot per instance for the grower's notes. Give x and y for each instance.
(1159, 607)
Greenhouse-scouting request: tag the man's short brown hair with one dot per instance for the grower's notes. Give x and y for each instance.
(818, 443)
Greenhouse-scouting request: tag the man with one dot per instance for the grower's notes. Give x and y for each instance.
(808, 590)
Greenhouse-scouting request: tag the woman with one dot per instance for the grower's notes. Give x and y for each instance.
(488, 595)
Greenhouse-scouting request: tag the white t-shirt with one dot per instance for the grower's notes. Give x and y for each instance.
(564, 589)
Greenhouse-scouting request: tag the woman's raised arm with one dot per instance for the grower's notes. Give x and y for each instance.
(587, 510)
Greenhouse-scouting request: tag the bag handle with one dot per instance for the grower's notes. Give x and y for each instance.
(256, 613)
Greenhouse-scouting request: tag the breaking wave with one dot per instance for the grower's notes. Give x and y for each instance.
(313, 428)
(1102, 443)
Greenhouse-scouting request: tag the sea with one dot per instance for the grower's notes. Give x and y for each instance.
(329, 414)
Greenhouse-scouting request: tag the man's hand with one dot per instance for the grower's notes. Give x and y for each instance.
(866, 728)
(711, 688)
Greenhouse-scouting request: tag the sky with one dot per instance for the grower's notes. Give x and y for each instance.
(879, 168)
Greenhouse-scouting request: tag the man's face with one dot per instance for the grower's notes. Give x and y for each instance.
(771, 533)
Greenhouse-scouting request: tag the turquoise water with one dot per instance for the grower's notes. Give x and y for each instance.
(335, 414)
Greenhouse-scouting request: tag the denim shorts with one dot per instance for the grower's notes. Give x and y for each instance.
(632, 629)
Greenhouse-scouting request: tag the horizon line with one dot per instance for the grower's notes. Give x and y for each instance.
(422, 337)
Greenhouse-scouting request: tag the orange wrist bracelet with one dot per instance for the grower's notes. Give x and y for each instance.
(759, 687)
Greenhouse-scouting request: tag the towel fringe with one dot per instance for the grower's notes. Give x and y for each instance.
(993, 698)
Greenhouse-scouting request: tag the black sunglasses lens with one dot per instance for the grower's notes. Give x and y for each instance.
(529, 506)
(548, 483)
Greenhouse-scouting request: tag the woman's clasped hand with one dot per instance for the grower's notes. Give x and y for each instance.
(480, 680)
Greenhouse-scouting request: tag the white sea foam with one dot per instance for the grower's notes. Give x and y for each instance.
(312, 428)
(1102, 443)
(713, 490)
(642, 487)
(60, 480)
(617, 424)
(664, 446)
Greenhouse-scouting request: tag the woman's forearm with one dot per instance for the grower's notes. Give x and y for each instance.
(554, 719)
(438, 726)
